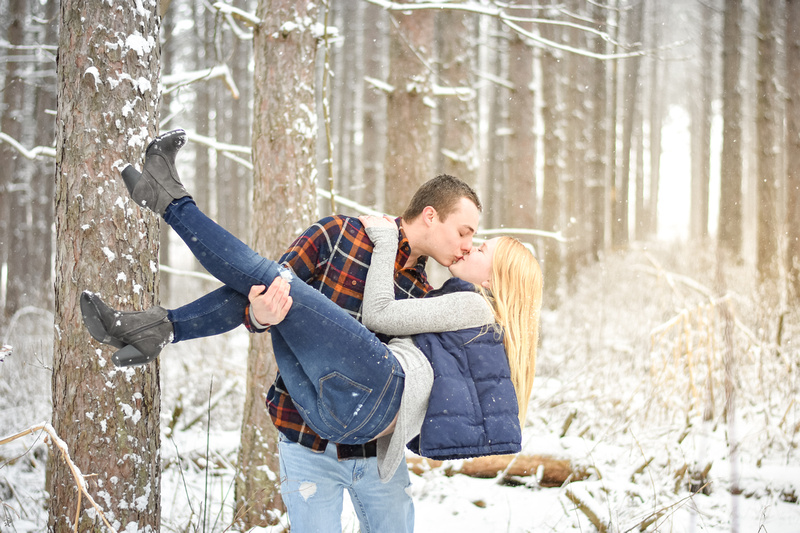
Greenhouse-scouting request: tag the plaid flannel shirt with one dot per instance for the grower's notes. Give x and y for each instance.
(333, 256)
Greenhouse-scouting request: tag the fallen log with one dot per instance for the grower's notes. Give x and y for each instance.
(549, 471)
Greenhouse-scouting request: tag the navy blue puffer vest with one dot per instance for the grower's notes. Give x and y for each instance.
(473, 406)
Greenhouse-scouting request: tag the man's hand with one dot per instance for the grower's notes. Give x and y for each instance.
(269, 306)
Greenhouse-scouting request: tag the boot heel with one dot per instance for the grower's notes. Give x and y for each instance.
(129, 356)
(131, 177)
(94, 323)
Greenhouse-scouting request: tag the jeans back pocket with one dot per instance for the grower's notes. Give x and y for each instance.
(342, 399)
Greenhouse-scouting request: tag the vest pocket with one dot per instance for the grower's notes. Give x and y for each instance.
(342, 399)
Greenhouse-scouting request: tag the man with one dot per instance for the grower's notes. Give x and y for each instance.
(333, 256)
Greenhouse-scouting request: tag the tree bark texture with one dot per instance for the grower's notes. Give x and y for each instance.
(108, 71)
(408, 152)
(284, 204)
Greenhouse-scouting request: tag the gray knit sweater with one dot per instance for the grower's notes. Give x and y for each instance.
(383, 314)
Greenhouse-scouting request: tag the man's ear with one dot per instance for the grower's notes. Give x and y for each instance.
(486, 284)
(428, 214)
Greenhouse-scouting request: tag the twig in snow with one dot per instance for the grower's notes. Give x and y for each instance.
(80, 479)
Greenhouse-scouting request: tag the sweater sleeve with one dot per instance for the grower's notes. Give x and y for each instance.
(383, 314)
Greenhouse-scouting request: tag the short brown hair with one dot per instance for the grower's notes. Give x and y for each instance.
(443, 193)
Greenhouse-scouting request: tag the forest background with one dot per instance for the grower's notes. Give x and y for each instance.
(647, 149)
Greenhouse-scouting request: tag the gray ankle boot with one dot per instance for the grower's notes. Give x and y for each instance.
(139, 335)
(158, 183)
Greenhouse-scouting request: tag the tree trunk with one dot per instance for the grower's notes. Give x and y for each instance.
(578, 152)
(109, 418)
(630, 105)
(43, 179)
(284, 204)
(520, 194)
(14, 186)
(169, 48)
(701, 175)
(600, 135)
(767, 143)
(729, 235)
(408, 151)
(615, 222)
(792, 226)
(374, 106)
(551, 186)
(203, 48)
(456, 154)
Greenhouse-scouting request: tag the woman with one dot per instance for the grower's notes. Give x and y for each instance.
(461, 383)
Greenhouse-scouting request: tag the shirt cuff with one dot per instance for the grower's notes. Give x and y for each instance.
(250, 322)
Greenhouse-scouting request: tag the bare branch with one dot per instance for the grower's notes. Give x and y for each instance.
(47, 151)
(249, 19)
(233, 14)
(80, 480)
(492, 10)
(186, 78)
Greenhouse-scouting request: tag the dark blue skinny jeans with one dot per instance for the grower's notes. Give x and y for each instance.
(345, 383)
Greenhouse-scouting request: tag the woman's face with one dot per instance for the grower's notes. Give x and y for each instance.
(477, 266)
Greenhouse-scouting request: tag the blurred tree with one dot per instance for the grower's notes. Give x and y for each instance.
(456, 152)
(655, 117)
(729, 235)
(578, 152)
(109, 418)
(520, 194)
(553, 123)
(408, 150)
(375, 57)
(15, 191)
(792, 222)
(767, 142)
(284, 204)
(600, 135)
(169, 47)
(40, 289)
(631, 106)
(232, 124)
(701, 121)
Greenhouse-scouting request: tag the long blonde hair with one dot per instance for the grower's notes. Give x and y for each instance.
(516, 295)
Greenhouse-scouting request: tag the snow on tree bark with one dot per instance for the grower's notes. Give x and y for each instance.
(108, 70)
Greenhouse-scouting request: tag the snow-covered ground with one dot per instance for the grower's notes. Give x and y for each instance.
(631, 388)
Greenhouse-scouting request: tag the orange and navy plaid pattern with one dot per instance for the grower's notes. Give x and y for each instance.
(333, 256)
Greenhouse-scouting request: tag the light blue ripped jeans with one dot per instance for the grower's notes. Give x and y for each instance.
(313, 484)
